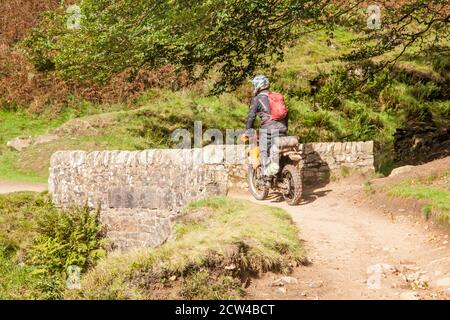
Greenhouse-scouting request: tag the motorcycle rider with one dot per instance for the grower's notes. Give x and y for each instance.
(269, 129)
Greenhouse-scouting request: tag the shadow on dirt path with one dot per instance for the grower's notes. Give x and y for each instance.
(360, 253)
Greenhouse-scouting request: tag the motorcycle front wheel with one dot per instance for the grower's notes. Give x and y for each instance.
(256, 183)
(292, 184)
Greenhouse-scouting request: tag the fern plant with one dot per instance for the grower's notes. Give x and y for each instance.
(67, 238)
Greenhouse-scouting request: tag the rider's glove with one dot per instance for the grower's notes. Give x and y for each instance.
(244, 138)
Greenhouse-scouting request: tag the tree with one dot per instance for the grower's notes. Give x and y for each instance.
(418, 28)
(227, 40)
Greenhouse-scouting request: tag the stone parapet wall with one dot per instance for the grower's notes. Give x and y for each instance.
(150, 179)
(325, 160)
(133, 228)
(138, 192)
(321, 162)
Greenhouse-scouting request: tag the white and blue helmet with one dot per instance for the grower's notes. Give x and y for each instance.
(260, 83)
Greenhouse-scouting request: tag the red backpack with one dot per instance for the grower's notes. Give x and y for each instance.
(278, 108)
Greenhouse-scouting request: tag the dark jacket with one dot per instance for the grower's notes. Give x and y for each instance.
(260, 107)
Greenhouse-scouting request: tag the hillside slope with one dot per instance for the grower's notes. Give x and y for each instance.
(423, 190)
(324, 105)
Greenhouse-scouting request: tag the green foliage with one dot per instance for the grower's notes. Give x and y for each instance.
(439, 197)
(417, 28)
(441, 63)
(38, 242)
(233, 37)
(431, 191)
(18, 215)
(426, 211)
(332, 93)
(425, 91)
(21, 282)
(21, 123)
(345, 172)
(67, 238)
(418, 102)
(39, 44)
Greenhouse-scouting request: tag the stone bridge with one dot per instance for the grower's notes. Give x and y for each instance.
(139, 192)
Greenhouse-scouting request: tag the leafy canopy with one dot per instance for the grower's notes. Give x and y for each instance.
(232, 37)
(227, 40)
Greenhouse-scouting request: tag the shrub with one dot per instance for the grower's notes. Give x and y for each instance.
(332, 93)
(70, 238)
(441, 63)
(28, 29)
(425, 91)
(39, 241)
(427, 211)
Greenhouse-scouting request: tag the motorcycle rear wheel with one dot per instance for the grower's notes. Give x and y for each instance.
(256, 184)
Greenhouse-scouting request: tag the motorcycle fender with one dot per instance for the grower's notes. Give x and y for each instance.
(255, 157)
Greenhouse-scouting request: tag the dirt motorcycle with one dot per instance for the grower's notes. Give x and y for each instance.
(288, 180)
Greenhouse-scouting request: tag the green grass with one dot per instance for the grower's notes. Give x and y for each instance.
(24, 124)
(10, 171)
(15, 124)
(19, 281)
(19, 213)
(434, 190)
(32, 165)
(18, 219)
(216, 242)
(439, 197)
(148, 124)
(198, 286)
(37, 243)
(368, 188)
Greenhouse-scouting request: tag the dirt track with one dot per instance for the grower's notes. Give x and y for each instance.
(353, 247)
(13, 186)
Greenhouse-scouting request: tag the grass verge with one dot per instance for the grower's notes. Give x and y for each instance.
(434, 190)
(217, 246)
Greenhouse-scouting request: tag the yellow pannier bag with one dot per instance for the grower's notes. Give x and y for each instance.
(255, 157)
